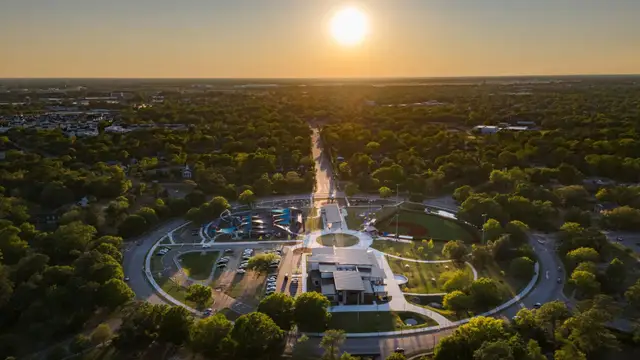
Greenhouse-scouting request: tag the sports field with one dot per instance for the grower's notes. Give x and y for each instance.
(425, 226)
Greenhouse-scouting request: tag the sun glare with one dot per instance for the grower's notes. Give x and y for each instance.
(349, 26)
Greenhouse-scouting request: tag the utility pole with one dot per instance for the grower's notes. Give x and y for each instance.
(484, 220)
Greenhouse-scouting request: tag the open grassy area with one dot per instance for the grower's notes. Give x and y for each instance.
(425, 226)
(248, 288)
(507, 285)
(424, 301)
(410, 250)
(353, 322)
(354, 218)
(198, 265)
(338, 240)
(176, 291)
(424, 278)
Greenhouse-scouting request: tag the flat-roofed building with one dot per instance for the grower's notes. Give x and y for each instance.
(347, 276)
(331, 216)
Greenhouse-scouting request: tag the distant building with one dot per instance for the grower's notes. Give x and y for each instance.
(347, 276)
(486, 129)
(187, 173)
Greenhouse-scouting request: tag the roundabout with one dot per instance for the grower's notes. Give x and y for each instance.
(337, 240)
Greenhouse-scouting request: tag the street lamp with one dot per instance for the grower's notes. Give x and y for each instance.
(397, 209)
(484, 220)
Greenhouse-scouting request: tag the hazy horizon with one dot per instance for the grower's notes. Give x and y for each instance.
(289, 39)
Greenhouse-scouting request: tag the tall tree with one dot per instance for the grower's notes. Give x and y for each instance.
(175, 326)
(199, 294)
(331, 342)
(279, 307)
(210, 337)
(310, 311)
(257, 337)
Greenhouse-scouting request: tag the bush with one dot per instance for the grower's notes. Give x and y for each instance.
(101, 334)
(133, 225)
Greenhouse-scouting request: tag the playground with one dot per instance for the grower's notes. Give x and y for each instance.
(256, 224)
(421, 225)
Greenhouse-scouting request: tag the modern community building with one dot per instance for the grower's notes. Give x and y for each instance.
(347, 276)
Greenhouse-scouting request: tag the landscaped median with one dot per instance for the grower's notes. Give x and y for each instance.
(198, 265)
(378, 321)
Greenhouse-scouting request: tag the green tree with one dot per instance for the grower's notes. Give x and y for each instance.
(331, 342)
(247, 197)
(456, 280)
(492, 229)
(462, 193)
(583, 254)
(149, 215)
(455, 250)
(199, 294)
(616, 274)
(279, 307)
(385, 192)
(219, 204)
(522, 267)
(585, 282)
(175, 326)
(114, 293)
(12, 247)
(310, 311)
(457, 301)
(480, 255)
(484, 292)
(303, 349)
(261, 262)
(569, 352)
(587, 266)
(632, 295)
(534, 352)
(396, 356)
(494, 350)
(351, 189)
(517, 231)
(211, 336)
(257, 337)
(101, 334)
(468, 338)
(133, 225)
(551, 315)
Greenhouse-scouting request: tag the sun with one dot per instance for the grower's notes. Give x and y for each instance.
(349, 26)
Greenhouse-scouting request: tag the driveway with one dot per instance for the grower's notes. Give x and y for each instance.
(325, 185)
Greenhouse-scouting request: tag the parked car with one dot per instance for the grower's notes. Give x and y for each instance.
(241, 271)
(126, 279)
(559, 280)
(537, 305)
(223, 265)
(228, 251)
(223, 261)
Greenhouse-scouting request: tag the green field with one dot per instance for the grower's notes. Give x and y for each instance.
(337, 240)
(370, 321)
(410, 250)
(197, 265)
(176, 291)
(425, 226)
(421, 275)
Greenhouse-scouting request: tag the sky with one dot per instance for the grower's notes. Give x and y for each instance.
(291, 38)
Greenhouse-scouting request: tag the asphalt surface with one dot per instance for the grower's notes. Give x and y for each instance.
(325, 185)
(134, 258)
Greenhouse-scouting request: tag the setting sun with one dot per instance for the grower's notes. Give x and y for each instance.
(349, 26)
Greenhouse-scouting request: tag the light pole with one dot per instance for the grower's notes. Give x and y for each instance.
(484, 220)
(397, 209)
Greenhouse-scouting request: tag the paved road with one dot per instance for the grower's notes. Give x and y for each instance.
(134, 257)
(325, 185)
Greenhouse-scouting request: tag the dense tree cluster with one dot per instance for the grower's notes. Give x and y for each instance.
(52, 283)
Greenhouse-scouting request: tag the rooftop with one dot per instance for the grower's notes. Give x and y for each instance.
(332, 213)
(348, 280)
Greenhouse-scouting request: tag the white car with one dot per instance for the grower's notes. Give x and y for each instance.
(269, 292)
(223, 261)
(241, 271)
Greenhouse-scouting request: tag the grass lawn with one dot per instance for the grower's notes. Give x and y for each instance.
(423, 301)
(338, 240)
(425, 226)
(185, 235)
(354, 220)
(248, 288)
(420, 275)
(507, 285)
(197, 265)
(410, 250)
(176, 291)
(156, 264)
(353, 322)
